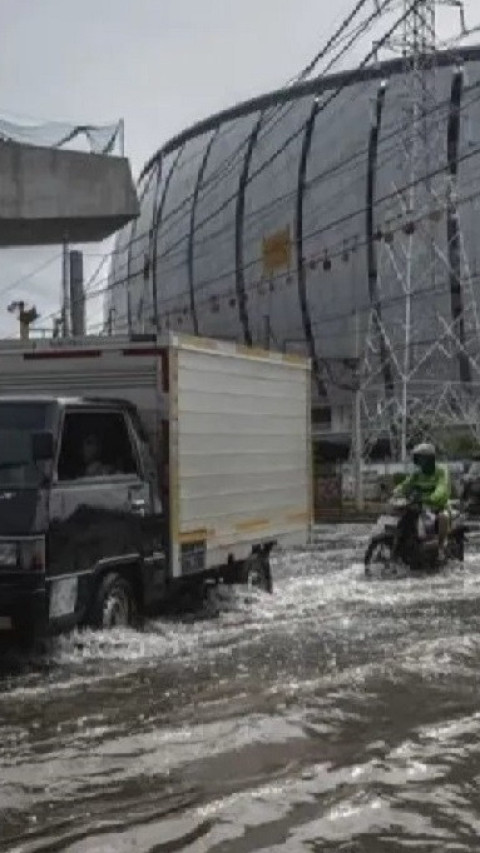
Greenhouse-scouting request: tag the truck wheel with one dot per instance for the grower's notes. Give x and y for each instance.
(379, 552)
(457, 548)
(114, 604)
(257, 573)
(28, 642)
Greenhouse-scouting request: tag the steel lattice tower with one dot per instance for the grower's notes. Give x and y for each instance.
(404, 392)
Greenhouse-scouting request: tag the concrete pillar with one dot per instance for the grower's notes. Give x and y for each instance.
(77, 295)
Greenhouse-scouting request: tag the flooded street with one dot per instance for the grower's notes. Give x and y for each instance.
(339, 714)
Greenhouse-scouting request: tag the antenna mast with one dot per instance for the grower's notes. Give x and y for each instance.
(424, 334)
(421, 136)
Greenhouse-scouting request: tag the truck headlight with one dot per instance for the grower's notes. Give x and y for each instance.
(8, 554)
(27, 555)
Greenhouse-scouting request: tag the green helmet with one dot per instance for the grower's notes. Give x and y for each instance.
(424, 458)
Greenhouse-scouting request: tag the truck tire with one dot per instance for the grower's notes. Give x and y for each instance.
(256, 573)
(114, 604)
(28, 642)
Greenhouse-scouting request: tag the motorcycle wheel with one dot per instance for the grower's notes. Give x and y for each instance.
(379, 552)
(456, 548)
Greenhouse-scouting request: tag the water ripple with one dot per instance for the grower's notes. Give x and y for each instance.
(338, 714)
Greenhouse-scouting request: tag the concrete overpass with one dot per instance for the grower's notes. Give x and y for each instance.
(51, 195)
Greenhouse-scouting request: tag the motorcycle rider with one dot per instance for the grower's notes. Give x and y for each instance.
(432, 482)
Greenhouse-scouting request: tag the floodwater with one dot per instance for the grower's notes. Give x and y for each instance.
(339, 714)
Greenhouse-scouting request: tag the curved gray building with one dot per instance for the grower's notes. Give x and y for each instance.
(303, 219)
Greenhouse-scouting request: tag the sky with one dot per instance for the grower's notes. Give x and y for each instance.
(158, 64)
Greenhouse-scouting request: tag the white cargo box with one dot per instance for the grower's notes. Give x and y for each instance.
(237, 423)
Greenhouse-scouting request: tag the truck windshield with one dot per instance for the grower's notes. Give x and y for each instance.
(17, 423)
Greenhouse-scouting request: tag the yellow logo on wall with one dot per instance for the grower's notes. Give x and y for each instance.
(277, 251)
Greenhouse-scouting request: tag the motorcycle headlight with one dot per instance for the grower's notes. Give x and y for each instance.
(8, 554)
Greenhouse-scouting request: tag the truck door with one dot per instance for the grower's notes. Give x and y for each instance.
(102, 508)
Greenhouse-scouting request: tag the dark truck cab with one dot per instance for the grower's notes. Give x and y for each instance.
(82, 526)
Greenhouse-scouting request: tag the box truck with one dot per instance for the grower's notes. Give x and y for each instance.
(132, 469)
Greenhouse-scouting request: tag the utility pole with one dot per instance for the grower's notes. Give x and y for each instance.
(357, 421)
(77, 295)
(65, 290)
(110, 321)
(121, 136)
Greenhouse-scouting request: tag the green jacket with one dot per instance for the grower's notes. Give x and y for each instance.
(434, 488)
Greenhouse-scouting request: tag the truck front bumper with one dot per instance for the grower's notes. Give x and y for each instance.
(23, 609)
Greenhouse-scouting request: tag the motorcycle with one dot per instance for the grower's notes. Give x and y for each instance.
(407, 537)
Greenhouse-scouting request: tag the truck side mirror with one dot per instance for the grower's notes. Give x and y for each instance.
(43, 446)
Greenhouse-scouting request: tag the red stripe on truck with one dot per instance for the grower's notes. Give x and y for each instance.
(88, 353)
(153, 351)
(144, 351)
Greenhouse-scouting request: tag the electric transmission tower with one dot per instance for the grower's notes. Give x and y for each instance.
(421, 358)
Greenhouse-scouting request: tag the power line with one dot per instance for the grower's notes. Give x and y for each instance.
(212, 215)
(28, 276)
(366, 310)
(204, 285)
(339, 220)
(256, 285)
(160, 153)
(321, 54)
(263, 167)
(381, 7)
(225, 168)
(139, 237)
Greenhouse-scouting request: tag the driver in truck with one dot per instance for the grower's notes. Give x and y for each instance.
(93, 466)
(432, 482)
